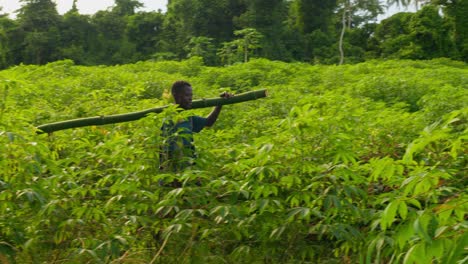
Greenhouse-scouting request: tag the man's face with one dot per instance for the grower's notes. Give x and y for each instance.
(184, 98)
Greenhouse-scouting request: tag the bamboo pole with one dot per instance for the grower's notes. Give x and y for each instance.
(112, 119)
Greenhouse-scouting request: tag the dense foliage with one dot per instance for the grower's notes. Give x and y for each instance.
(340, 164)
(223, 32)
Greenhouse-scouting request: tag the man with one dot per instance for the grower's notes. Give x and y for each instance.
(178, 151)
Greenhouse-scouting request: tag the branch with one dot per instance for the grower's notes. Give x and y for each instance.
(112, 119)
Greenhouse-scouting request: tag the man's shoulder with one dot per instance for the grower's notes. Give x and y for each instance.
(198, 123)
(198, 118)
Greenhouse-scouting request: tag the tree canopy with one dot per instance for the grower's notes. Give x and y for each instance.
(316, 31)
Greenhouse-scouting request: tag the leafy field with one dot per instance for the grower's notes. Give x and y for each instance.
(361, 163)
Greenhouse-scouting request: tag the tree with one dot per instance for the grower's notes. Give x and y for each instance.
(12, 40)
(145, 30)
(77, 37)
(5, 23)
(392, 34)
(126, 7)
(417, 3)
(39, 24)
(310, 15)
(310, 23)
(268, 17)
(420, 35)
(74, 9)
(111, 40)
(202, 47)
(3, 48)
(249, 41)
(227, 52)
(344, 12)
(456, 10)
(429, 32)
(353, 13)
(210, 18)
(321, 47)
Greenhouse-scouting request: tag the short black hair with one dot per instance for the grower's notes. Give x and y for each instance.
(179, 86)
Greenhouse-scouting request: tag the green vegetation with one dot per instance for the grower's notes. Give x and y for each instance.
(360, 163)
(224, 32)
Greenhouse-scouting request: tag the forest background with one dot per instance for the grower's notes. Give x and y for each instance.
(228, 31)
(355, 163)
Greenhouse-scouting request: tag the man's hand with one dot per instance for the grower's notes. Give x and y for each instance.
(226, 95)
(211, 119)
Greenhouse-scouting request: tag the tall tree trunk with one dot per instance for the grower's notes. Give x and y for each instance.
(112, 119)
(350, 13)
(340, 44)
(246, 51)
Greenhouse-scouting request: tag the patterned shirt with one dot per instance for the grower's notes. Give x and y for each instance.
(178, 149)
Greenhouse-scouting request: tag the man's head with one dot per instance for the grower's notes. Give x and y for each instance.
(182, 93)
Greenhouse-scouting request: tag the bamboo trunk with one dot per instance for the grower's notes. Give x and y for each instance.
(112, 119)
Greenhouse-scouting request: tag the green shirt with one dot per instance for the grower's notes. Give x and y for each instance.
(179, 150)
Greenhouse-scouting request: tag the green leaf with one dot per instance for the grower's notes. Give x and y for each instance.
(409, 258)
(403, 210)
(440, 231)
(457, 250)
(263, 205)
(460, 213)
(389, 214)
(432, 226)
(301, 212)
(422, 187)
(444, 214)
(436, 249)
(419, 229)
(417, 254)
(415, 203)
(456, 148)
(277, 232)
(404, 235)
(121, 240)
(408, 185)
(370, 251)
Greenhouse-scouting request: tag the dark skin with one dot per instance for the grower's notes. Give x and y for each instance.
(184, 100)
